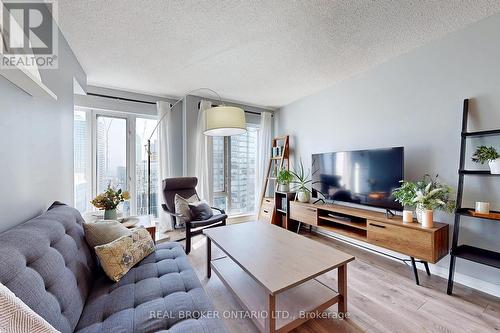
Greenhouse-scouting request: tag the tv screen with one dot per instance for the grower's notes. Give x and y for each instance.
(365, 177)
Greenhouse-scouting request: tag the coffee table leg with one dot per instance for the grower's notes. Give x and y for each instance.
(271, 315)
(209, 257)
(342, 281)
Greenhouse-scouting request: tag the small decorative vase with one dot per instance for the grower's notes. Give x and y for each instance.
(407, 216)
(110, 214)
(495, 166)
(427, 219)
(283, 188)
(303, 196)
(482, 207)
(419, 211)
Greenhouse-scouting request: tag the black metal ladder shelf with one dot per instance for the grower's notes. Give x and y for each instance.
(467, 252)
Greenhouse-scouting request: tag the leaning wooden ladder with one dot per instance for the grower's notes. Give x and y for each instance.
(276, 163)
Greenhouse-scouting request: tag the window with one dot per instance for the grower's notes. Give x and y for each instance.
(234, 167)
(111, 155)
(110, 149)
(82, 161)
(143, 129)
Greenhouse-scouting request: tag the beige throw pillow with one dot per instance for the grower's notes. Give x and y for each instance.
(119, 256)
(17, 317)
(182, 208)
(104, 232)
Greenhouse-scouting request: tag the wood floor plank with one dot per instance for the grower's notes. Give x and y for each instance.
(382, 297)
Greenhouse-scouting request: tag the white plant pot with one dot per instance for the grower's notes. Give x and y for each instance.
(495, 166)
(427, 219)
(283, 188)
(303, 196)
(418, 212)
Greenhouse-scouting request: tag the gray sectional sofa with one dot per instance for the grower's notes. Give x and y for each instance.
(47, 263)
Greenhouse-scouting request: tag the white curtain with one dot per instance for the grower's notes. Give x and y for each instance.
(263, 153)
(165, 222)
(203, 163)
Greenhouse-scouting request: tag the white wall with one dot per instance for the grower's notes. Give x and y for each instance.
(36, 142)
(415, 101)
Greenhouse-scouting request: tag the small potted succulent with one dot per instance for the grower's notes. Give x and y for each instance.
(284, 178)
(109, 200)
(301, 181)
(426, 196)
(488, 155)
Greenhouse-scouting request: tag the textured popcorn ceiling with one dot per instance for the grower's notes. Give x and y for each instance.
(266, 53)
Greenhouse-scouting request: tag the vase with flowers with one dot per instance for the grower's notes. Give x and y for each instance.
(109, 200)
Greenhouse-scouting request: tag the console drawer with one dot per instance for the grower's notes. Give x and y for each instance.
(303, 213)
(413, 242)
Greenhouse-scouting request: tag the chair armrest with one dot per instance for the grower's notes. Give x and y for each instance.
(169, 212)
(219, 210)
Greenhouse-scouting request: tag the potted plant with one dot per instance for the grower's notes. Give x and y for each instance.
(284, 178)
(109, 200)
(426, 195)
(405, 195)
(301, 181)
(488, 155)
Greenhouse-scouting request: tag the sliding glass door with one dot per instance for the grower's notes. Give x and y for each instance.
(110, 150)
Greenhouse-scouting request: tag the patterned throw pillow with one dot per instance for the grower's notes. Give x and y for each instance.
(119, 256)
(182, 208)
(17, 317)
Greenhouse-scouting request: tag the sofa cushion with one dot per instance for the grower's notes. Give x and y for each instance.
(49, 266)
(104, 232)
(152, 297)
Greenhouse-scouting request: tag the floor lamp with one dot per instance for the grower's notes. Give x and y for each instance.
(221, 120)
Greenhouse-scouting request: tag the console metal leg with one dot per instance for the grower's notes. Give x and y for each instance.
(415, 271)
(209, 257)
(451, 275)
(298, 227)
(427, 268)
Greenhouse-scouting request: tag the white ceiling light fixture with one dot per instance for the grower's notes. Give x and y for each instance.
(225, 121)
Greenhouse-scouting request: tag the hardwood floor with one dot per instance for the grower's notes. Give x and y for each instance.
(382, 297)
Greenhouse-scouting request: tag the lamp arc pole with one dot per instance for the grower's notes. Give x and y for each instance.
(148, 146)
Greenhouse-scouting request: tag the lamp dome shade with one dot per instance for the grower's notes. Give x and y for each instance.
(225, 121)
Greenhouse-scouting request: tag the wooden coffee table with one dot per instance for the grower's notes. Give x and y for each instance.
(274, 273)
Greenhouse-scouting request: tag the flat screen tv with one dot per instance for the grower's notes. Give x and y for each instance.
(364, 177)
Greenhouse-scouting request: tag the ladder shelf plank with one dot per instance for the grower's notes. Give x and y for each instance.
(477, 172)
(481, 133)
(475, 254)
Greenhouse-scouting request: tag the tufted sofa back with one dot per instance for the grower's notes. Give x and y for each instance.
(49, 266)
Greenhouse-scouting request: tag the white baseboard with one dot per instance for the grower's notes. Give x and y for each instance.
(466, 280)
